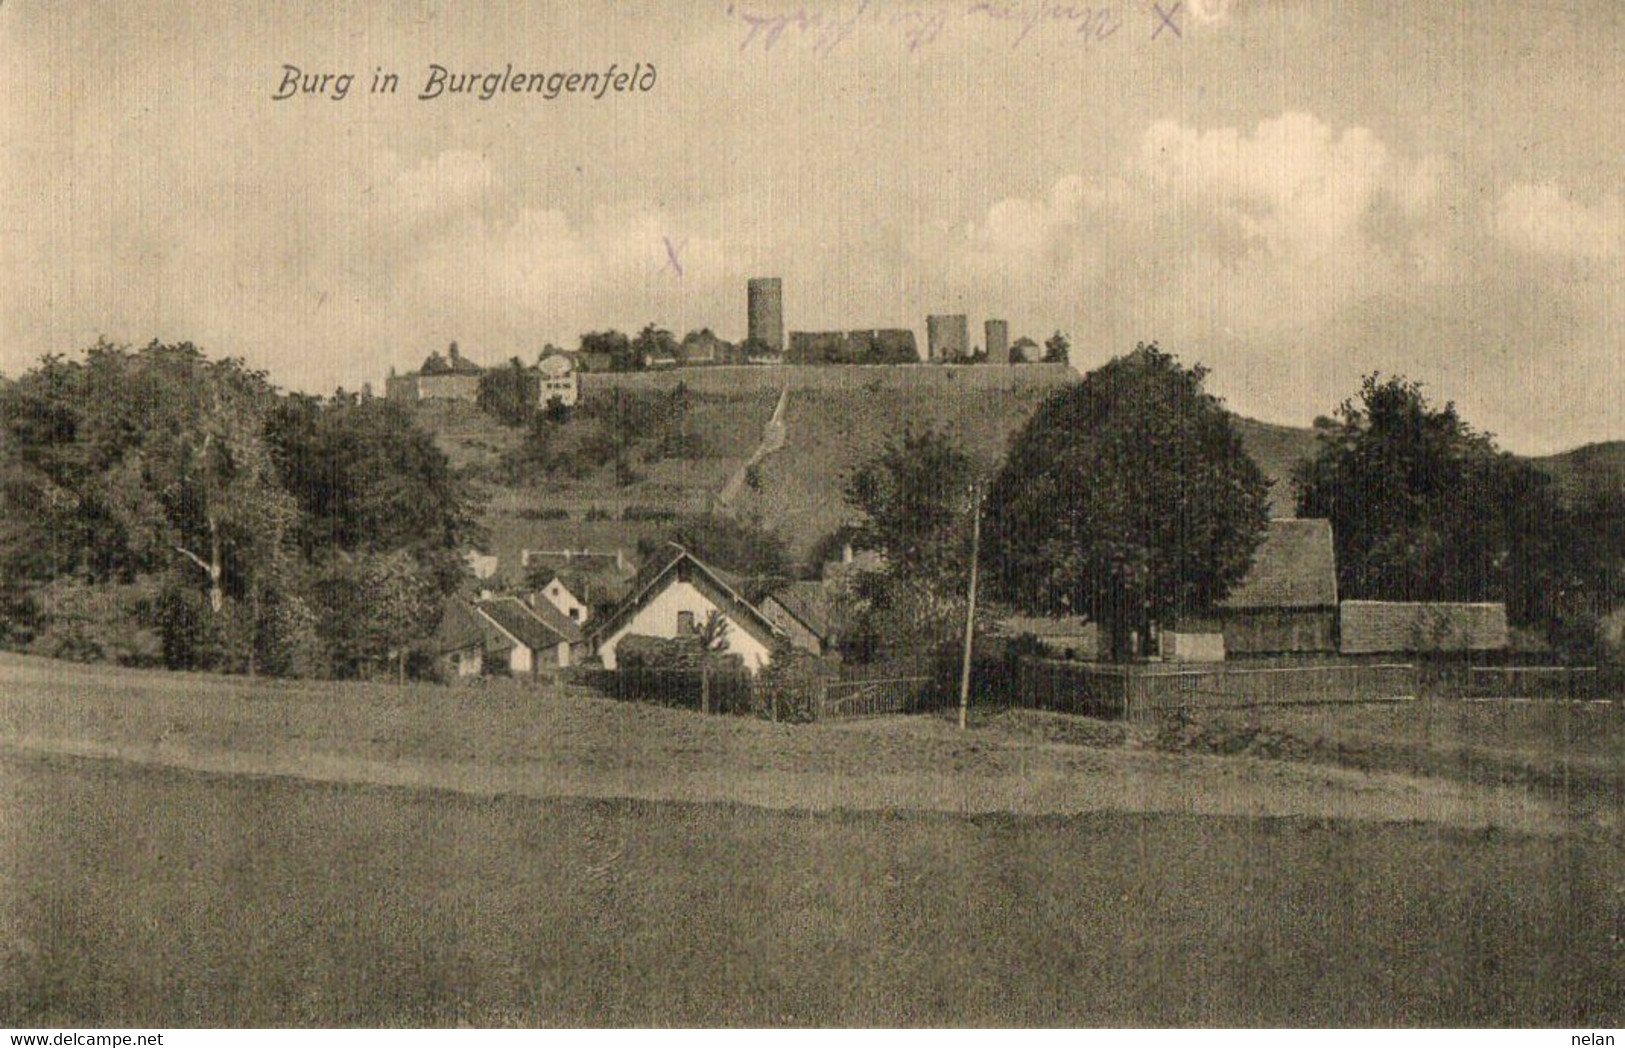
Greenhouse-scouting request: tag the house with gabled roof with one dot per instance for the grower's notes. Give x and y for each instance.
(673, 596)
(1287, 601)
(804, 612)
(504, 635)
(535, 635)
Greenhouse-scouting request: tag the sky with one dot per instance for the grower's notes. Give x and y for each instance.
(1292, 194)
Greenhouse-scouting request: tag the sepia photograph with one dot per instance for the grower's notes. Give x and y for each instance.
(784, 514)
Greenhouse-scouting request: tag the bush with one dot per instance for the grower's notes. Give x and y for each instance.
(644, 513)
(790, 688)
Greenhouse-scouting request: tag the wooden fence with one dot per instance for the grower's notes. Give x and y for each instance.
(845, 699)
(740, 694)
(1534, 682)
(1140, 692)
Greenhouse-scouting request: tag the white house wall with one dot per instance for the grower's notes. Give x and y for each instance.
(562, 599)
(658, 618)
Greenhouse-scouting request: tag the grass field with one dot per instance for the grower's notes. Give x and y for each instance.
(142, 897)
(1576, 748)
(245, 852)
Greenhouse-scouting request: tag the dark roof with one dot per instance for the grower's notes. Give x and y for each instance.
(668, 562)
(1373, 627)
(808, 603)
(1295, 567)
(459, 629)
(594, 586)
(535, 628)
(456, 364)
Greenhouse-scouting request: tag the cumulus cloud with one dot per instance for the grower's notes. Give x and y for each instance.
(1543, 218)
(1219, 231)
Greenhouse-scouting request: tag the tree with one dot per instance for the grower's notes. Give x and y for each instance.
(654, 343)
(912, 499)
(614, 345)
(1127, 498)
(740, 545)
(1424, 507)
(712, 634)
(1057, 349)
(510, 394)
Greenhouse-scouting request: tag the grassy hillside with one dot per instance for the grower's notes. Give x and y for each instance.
(829, 433)
(552, 510)
(1588, 469)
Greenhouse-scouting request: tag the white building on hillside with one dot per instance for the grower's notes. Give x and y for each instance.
(560, 380)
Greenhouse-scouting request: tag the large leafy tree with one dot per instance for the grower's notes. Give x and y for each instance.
(197, 478)
(1127, 498)
(1424, 507)
(913, 502)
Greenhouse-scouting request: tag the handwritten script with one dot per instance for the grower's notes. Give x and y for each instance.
(824, 31)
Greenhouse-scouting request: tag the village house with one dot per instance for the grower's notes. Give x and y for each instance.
(803, 611)
(673, 597)
(504, 636)
(1287, 601)
(558, 593)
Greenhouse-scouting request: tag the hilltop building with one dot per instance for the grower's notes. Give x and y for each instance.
(947, 338)
(876, 346)
(559, 379)
(764, 313)
(1024, 351)
(449, 377)
(996, 340)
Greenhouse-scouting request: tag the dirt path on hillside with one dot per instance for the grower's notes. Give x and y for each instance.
(773, 435)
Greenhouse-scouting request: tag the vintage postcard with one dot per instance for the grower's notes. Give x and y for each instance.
(812, 513)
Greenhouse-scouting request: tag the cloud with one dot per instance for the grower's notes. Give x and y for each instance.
(445, 183)
(1225, 231)
(1543, 218)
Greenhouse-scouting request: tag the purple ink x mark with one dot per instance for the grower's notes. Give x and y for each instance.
(671, 254)
(1167, 19)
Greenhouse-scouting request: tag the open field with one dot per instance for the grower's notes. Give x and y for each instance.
(526, 739)
(198, 850)
(141, 897)
(1576, 748)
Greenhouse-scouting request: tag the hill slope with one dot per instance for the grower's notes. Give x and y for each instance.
(829, 433)
(1587, 469)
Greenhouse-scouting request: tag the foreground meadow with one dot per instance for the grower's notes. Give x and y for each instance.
(208, 851)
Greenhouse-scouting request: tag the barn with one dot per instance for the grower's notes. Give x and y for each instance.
(1287, 603)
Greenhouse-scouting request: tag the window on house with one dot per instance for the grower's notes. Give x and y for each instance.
(685, 623)
(575, 613)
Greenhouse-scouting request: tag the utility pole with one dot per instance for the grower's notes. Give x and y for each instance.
(970, 607)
